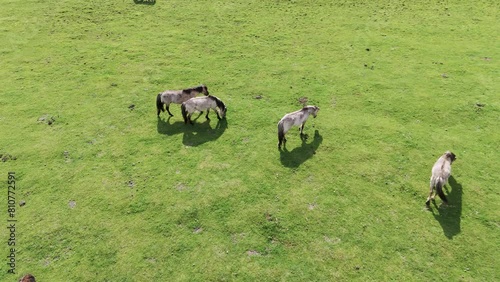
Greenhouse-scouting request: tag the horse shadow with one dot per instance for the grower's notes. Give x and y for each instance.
(299, 155)
(167, 128)
(200, 133)
(194, 135)
(449, 216)
(145, 2)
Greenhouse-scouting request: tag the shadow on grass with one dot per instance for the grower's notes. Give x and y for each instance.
(145, 2)
(299, 155)
(449, 215)
(168, 128)
(194, 135)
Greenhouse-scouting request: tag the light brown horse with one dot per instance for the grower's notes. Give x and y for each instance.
(297, 118)
(441, 171)
(178, 97)
(199, 104)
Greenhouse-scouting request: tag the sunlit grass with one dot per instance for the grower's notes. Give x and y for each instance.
(114, 194)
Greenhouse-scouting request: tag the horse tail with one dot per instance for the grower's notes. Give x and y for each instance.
(439, 190)
(184, 112)
(281, 133)
(159, 104)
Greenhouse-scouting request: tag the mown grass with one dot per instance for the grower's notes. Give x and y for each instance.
(114, 194)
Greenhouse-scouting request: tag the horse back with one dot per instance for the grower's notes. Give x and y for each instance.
(199, 104)
(176, 96)
(441, 169)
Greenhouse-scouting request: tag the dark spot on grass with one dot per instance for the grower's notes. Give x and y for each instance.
(303, 100)
(7, 157)
(47, 119)
(145, 2)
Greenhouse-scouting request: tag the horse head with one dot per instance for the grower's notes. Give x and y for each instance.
(313, 110)
(222, 108)
(204, 90)
(452, 157)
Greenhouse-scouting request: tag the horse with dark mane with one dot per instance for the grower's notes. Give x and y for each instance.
(199, 104)
(441, 171)
(297, 118)
(178, 97)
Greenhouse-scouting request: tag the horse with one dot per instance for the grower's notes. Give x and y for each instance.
(297, 118)
(200, 104)
(178, 97)
(441, 171)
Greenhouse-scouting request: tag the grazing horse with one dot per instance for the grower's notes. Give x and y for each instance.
(200, 104)
(178, 97)
(441, 171)
(297, 118)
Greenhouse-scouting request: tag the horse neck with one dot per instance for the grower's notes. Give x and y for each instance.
(214, 105)
(305, 114)
(309, 111)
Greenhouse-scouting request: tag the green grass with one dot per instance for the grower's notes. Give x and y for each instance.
(398, 83)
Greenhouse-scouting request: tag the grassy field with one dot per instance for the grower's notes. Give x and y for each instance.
(112, 193)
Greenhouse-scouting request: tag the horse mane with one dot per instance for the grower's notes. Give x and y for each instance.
(306, 108)
(198, 88)
(218, 102)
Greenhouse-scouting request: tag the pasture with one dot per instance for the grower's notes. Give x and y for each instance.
(112, 193)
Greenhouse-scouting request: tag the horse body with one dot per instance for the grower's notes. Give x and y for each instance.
(297, 118)
(178, 97)
(441, 171)
(199, 104)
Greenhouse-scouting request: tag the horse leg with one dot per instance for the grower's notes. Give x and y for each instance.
(208, 110)
(169, 111)
(190, 121)
(428, 202)
(303, 136)
(282, 141)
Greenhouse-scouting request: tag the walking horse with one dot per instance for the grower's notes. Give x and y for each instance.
(297, 118)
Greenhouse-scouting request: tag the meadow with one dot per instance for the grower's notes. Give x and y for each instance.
(111, 192)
